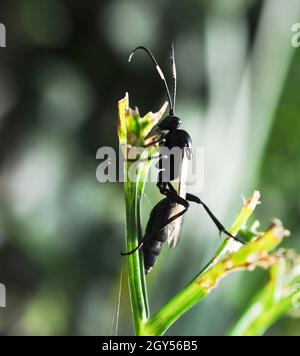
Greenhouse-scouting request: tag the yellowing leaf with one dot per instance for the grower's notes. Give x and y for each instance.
(132, 128)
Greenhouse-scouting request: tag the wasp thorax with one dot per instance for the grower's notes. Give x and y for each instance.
(170, 123)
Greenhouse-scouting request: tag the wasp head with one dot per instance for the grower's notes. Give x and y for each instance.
(169, 123)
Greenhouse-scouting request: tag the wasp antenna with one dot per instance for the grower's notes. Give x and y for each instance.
(131, 55)
(159, 70)
(174, 72)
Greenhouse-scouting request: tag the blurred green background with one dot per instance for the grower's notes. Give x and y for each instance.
(61, 75)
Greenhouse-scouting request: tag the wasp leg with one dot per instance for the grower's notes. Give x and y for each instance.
(160, 141)
(169, 191)
(173, 196)
(173, 218)
(161, 186)
(140, 245)
(220, 227)
(172, 189)
(155, 142)
(142, 160)
(194, 199)
(177, 199)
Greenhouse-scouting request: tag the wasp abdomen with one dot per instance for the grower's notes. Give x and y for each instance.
(154, 235)
(152, 249)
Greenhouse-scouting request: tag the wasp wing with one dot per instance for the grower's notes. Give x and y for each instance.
(174, 228)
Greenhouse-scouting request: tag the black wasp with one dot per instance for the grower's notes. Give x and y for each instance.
(166, 217)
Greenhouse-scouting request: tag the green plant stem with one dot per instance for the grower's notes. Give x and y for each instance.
(270, 304)
(137, 283)
(258, 319)
(132, 130)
